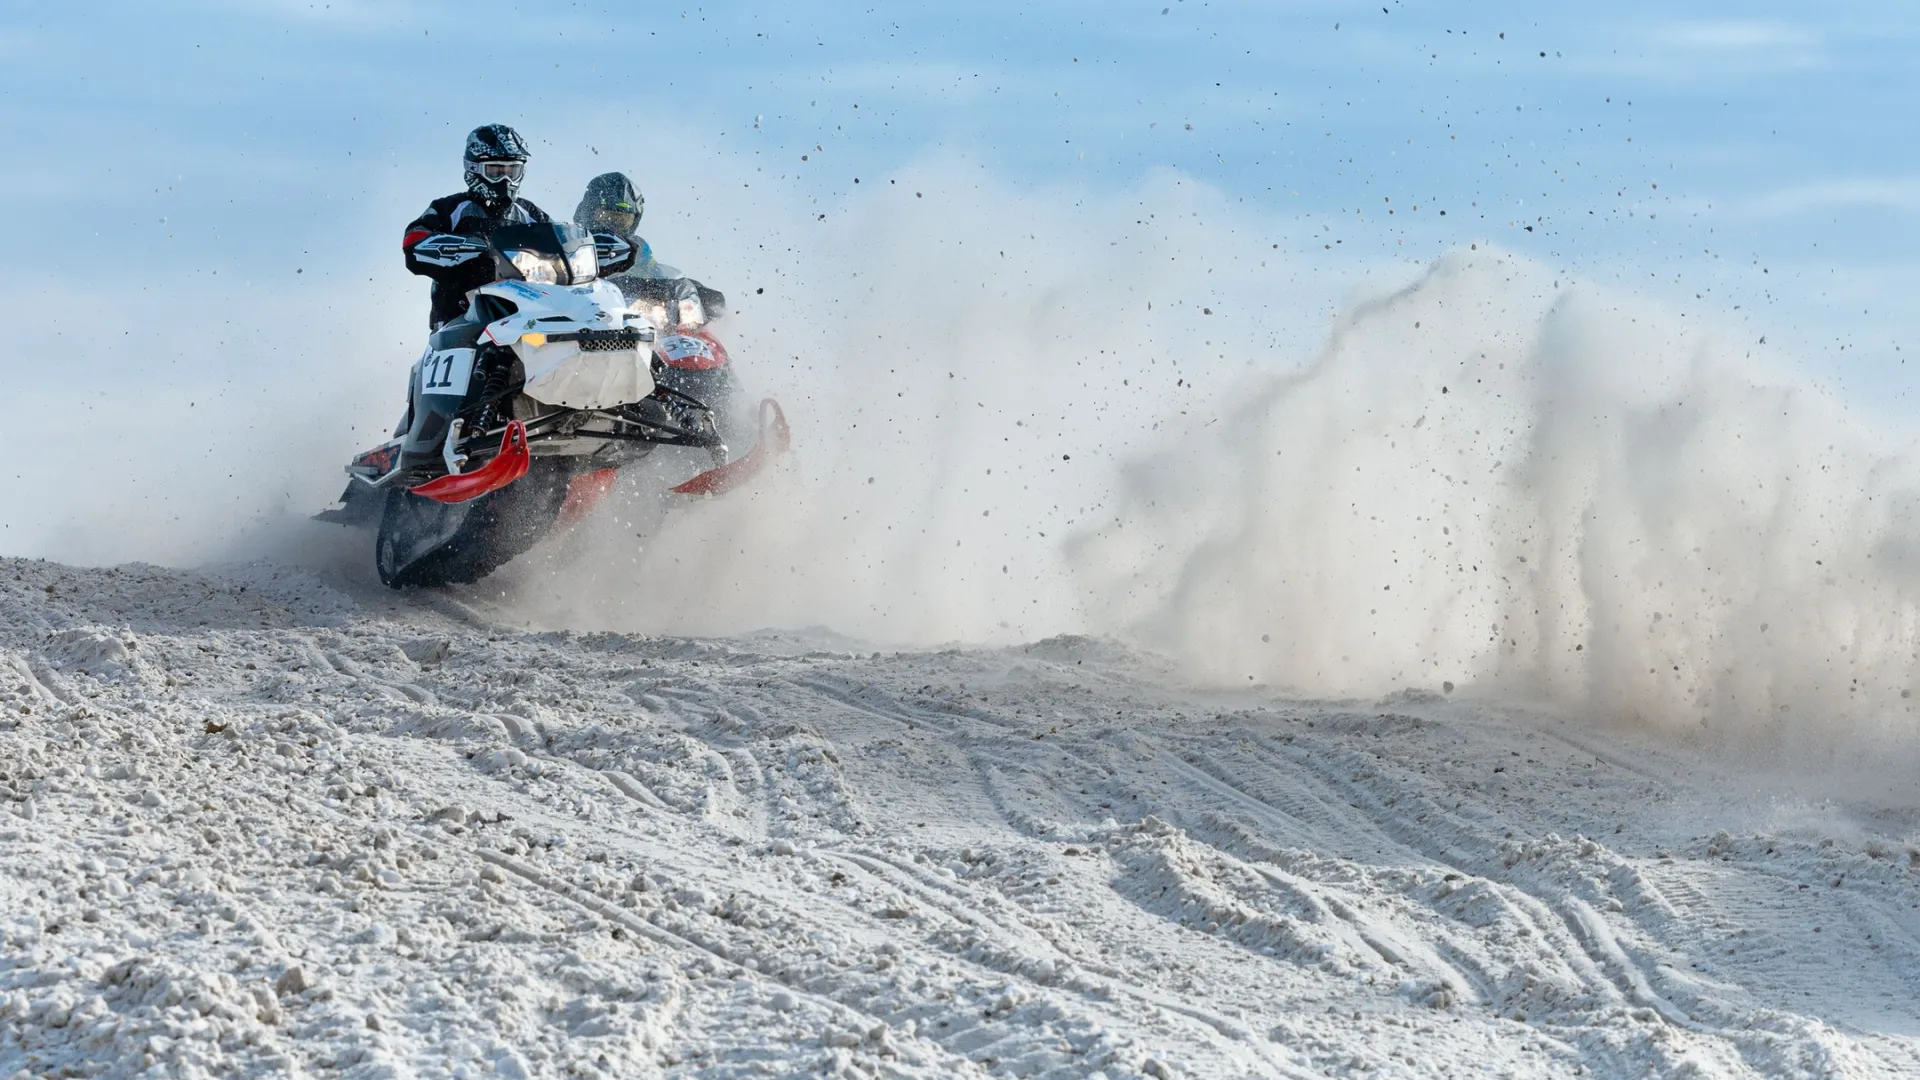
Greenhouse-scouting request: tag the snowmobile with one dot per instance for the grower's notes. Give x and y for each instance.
(521, 411)
(687, 355)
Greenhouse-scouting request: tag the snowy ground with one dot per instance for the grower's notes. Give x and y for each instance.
(259, 824)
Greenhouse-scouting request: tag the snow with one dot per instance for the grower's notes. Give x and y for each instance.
(262, 822)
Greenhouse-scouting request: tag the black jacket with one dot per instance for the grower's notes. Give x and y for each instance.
(460, 215)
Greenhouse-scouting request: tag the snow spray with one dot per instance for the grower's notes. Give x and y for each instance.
(965, 366)
(1495, 480)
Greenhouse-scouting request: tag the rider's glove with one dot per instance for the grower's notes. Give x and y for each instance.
(446, 249)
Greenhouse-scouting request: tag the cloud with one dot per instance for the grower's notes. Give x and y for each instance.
(1702, 50)
(360, 15)
(1897, 193)
(1735, 36)
(1736, 46)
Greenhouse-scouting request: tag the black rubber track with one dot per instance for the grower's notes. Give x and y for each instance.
(423, 544)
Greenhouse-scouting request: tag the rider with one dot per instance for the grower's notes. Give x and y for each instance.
(613, 205)
(441, 243)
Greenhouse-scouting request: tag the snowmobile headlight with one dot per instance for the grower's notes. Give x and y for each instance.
(691, 313)
(535, 339)
(654, 311)
(584, 263)
(535, 267)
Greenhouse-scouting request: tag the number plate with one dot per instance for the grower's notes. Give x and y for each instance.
(446, 372)
(678, 348)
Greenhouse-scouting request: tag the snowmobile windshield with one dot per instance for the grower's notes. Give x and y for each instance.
(674, 302)
(548, 253)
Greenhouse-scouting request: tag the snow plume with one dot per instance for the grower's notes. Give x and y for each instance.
(964, 363)
(1494, 479)
(164, 428)
(963, 360)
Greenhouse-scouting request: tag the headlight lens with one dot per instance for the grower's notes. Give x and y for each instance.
(535, 267)
(691, 313)
(654, 311)
(584, 264)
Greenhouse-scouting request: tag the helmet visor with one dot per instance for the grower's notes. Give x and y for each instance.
(619, 222)
(498, 170)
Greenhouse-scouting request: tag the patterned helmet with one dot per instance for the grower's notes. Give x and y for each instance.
(496, 159)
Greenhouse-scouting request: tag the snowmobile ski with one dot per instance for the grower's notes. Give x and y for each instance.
(775, 438)
(508, 465)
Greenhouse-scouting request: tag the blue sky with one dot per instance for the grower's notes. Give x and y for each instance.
(1748, 164)
(1644, 139)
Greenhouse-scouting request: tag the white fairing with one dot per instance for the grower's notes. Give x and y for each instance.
(559, 372)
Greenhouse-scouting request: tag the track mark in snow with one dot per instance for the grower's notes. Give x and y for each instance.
(34, 683)
(1032, 957)
(1040, 861)
(1599, 939)
(634, 789)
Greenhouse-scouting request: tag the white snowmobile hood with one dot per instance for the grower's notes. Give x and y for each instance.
(560, 372)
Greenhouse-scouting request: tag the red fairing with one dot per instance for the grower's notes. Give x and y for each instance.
(775, 438)
(413, 237)
(691, 350)
(508, 465)
(380, 458)
(584, 492)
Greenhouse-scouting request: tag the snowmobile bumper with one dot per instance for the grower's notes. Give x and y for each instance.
(775, 438)
(508, 465)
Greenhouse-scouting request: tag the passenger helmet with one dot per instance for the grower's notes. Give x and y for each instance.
(611, 205)
(495, 161)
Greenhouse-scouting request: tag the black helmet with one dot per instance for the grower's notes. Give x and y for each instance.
(495, 160)
(610, 205)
